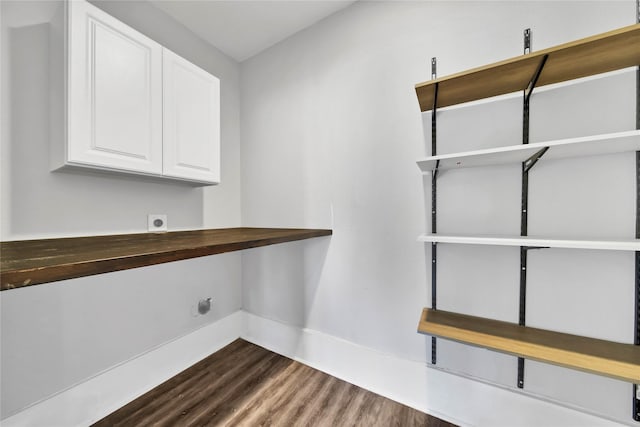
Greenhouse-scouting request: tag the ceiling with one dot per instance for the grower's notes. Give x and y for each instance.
(243, 28)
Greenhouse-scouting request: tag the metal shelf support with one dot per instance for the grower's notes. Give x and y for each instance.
(526, 166)
(434, 180)
(636, 387)
(531, 161)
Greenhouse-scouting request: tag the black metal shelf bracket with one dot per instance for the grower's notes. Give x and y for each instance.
(434, 180)
(531, 161)
(527, 98)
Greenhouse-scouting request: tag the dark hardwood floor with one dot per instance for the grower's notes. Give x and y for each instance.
(246, 385)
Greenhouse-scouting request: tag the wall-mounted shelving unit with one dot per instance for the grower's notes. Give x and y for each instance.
(34, 262)
(602, 53)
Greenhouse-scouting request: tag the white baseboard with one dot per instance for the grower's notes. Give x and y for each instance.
(460, 400)
(97, 397)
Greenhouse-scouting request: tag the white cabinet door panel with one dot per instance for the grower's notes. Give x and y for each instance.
(114, 93)
(191, 121)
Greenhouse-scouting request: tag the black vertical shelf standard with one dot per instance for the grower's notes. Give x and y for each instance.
(434, 179)
(636, 341)
(526, 166)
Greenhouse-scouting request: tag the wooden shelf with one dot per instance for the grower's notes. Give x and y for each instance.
(605, 52)
(33, 262)
(610, 245)
(574, 147)
(616, 360)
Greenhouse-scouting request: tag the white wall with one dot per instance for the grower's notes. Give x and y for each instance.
(57, 335)
(331, 130)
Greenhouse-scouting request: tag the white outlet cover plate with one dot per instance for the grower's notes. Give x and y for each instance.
(151, 222)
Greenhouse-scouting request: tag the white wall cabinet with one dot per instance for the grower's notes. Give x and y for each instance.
(191, 125)
(114, 93)
(123, 103)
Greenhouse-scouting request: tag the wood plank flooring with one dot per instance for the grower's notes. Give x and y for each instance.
(246, 385)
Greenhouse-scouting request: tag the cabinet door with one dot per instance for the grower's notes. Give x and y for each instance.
(114, 93)
(191, 121)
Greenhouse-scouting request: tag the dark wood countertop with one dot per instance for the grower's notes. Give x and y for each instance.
(33, 262)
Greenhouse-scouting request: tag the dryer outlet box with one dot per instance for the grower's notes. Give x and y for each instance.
(157, 223)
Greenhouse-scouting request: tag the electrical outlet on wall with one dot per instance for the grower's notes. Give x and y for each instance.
(157, 222)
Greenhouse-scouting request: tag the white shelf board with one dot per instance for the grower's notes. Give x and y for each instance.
(573, 147)
(612, 245)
